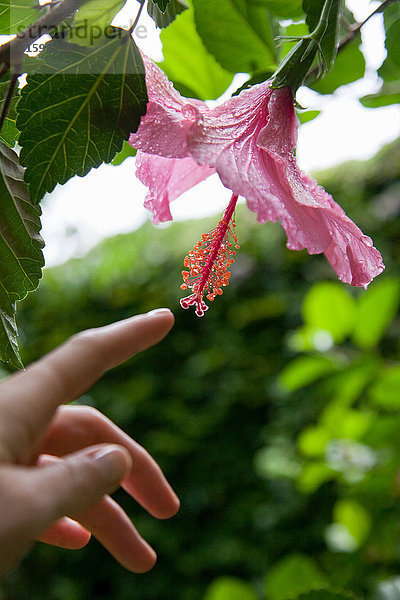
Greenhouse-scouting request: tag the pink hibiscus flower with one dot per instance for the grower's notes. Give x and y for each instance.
(249, 141)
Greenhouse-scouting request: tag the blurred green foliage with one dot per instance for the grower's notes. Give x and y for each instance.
(275, 417)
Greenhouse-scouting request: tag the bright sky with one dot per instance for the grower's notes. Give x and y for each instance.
(109, 200)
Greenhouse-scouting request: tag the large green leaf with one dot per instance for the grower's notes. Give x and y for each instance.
(237, 33)
(349, 66)
(385, 392)
(21, 258)
(230, 588)
(197, 70)
(16, 15)
(389, 71)
(9, 132)
(92, 20)
(329, 307)
(376, 309)
(388, 94)
(304, 370)
(294, 574)
(165, 18)
(354, 517)
(285, 9)
(78, 107)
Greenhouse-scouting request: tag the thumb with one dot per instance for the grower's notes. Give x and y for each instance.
(71, 485)
(33, 498)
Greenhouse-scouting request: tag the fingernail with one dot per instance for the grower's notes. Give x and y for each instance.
(111, 462)
(159, 311)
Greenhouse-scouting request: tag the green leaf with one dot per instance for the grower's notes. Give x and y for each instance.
(329, 307)
(21, 258)
(385, 392)
(92, 20)
(16, 15)
(285, 9)
(350, 384)
(245, 41)
(376, 310)
(313, 475)
(125, 153)
(292, 576)
(349, 66)
(197, 70)
(391, 14)
(162, 4)
(313, 440)
(355, 518)
(305, 370)
(230, 588)
(389, 71)
(164, 18)
(389, 94)
(77, 109)
(345, 423)
(9, 132)
(307, 115)
(276, 462)
(329, 42)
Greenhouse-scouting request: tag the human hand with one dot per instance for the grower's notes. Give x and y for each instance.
(59, 463)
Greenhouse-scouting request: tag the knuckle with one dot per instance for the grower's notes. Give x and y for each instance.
(86, 415)
(84, 423)
(86, 343)
(86, 338)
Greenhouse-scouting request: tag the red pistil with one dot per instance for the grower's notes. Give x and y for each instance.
(209, 261)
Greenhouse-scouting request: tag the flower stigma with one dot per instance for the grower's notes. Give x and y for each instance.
(208, 263)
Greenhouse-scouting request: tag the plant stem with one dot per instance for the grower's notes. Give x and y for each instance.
(356, 28)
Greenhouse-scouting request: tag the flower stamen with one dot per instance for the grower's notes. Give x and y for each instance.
(208, 263)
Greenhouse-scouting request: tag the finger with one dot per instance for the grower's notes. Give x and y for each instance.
(65, 487)
(76, 427)
(112, 527)
(66, 533)
(28, 399)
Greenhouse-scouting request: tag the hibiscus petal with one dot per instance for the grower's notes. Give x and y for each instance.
(226, 139)
(250, 140)
(169, 117)
(350, 252)
(167, 178)
(312, 219)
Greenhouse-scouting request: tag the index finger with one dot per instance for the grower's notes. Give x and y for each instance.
(29, 399)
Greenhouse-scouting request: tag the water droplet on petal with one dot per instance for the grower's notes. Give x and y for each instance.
(367, 240)
(189, 112)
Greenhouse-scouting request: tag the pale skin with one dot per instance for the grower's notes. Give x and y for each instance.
(58, 464)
